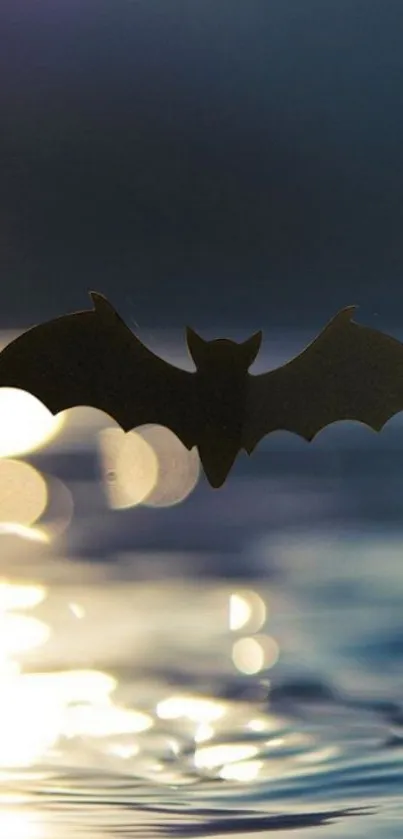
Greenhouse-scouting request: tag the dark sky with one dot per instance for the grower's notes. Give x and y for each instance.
(202, 161)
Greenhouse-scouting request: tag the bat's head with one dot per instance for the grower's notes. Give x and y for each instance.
(222, 354)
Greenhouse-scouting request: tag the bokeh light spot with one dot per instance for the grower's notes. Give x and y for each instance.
(25, 423)
(178, 468)
(246, 608)
(23, 492)
(251, 655)
(129, 465)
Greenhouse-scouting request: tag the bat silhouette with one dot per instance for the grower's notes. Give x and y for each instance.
(349, 372)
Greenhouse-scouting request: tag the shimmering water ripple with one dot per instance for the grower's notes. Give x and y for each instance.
(138, 746)
(229, 665)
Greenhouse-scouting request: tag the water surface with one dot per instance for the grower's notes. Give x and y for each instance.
(228, 664)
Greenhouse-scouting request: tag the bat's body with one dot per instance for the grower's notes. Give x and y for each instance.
(92, 358)
(221, 393)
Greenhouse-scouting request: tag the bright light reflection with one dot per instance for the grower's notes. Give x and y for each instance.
(124, 751)
(250, 655)
(77, 610)
(244, 772)
(129, 465)
(262, 724)
(25, 423)
(210, 757)
(23, 492)
(239, 612)
(30, 721)
(37, 709)
(246, 608)
(318, 755)
(191, 708)
(79, 685)
(20, 633)
(204, 732)
(92, 721)
(19, 825)
(14, 596)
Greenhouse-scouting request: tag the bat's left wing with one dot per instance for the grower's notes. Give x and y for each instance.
(350, 372)
(92, 358)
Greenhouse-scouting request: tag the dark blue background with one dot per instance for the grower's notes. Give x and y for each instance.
(203, 161)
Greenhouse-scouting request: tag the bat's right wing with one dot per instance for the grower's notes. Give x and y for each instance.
(92, 358)
(349, 372)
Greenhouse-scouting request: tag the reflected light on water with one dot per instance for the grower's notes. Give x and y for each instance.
(242, 772)
(246, 608)
(38, 709)
(21, 739)
(191, 708)
(262, 724)
(91, 721)
(129, 465)
(19, 825)
(124, 751)
(212, 757)
(77, 610)
(80, 685)
(29, 721)
(316, 756)
(25, 423)
(14, 596)
(203, 732)
(251, 655)
(20, 633)
(23, 492)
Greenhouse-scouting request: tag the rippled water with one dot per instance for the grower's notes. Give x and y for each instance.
(230, 665)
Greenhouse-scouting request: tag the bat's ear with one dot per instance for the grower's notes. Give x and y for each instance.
(102, 306)
(251, 347)
(196, 346)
